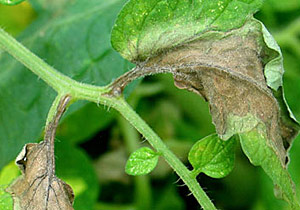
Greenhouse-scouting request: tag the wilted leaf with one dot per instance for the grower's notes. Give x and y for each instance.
(227, 68)
(213, 156)
(234, 88)
(38, 188)
(236, 67)
(141, 162)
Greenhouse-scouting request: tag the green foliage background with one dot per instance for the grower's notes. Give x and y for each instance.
(92, 144)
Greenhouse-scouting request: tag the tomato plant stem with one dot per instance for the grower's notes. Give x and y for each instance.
(80, 91)
(169, 156)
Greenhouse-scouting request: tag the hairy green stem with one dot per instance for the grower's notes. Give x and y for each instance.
(51, 76)
(169, 156)
(80, 91)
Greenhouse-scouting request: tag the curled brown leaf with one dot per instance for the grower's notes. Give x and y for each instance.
(227, 70)
(38, 188)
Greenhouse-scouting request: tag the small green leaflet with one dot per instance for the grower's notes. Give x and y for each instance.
(11, 2)
(141, 162)
(213, 156)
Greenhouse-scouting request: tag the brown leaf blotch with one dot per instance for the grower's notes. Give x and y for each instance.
(38, 188)
(228, 72)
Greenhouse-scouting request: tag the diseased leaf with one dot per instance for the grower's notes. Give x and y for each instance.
(236, 67)
(141, 162)
(255, 146)
(227, 68)
(145, 28)
(235, 87)
(213, 156)
(72, 36)
(37, 188)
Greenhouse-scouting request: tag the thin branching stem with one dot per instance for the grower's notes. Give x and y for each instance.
(101, 95)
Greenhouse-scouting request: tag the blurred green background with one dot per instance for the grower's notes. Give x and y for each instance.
(94, 142)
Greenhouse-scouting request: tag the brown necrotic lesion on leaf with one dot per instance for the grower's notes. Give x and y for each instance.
(227, 70)
(38, 188)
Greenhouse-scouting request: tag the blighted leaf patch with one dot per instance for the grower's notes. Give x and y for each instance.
(237, 68)
(227, 70)
(38, 188)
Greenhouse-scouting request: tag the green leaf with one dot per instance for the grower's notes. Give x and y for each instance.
(75, 40)
(255, 145)
(75, 168)
(6, 201)
(10, 2)
(144, 28)
(7, 175)
(141, 162)
(213, 156)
